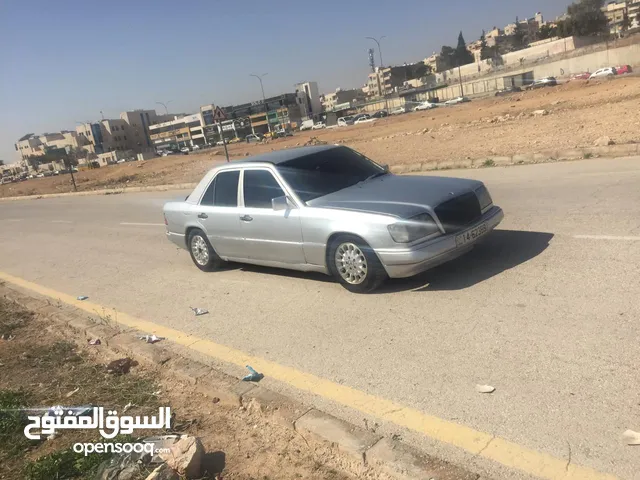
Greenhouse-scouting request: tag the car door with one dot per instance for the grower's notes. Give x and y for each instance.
(218, 215)
(269, 235)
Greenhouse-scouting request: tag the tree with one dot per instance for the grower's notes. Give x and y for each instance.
(447, 56)
(462, 56)
(520, 37)
(485, 51)
(626, 22)
(585, 18)
(547, 31)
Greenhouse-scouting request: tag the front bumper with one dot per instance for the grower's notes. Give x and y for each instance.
(406, 262)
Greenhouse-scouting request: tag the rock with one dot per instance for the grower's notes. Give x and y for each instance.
(538, 113)
(246, 154)
(163, 472)
(185, 456)
(603, 141)
(216, 152)
(424, 130)
(557, 102)
(121, 366)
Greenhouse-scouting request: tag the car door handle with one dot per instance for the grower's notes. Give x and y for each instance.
(203, 215)
(246, 218)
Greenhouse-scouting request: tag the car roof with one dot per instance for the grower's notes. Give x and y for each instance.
(281, 156)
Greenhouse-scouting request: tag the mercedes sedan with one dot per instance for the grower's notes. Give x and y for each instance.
(329, 209)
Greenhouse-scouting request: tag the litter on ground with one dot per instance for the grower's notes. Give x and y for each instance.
(151, 338)
(199, 311)
(485, 389)
(82, 297)
(253, 375)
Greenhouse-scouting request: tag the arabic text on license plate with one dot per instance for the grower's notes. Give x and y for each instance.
(471, 235)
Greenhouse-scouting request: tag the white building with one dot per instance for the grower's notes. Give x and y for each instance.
(309, 99)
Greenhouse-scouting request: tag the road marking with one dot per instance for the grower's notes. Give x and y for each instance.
(607, 237)
(143, 224)
(479, 443)
(61, 221)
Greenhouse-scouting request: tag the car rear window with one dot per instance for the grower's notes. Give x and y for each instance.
(223, 191)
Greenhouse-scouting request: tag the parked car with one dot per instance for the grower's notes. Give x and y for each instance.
(122, 160)
(380, 114)
(580, 76)
(253, 138)
(622, 69)
(508, 91)
(399, 110)
(345, 121)
(282, 132)
(456, 101)
(318, 126)
(364, 119)
(603, 73)
(221, 142)
(329, 209)
(234, 140)
(40, 175)
(541, 83)
(424, 106)
(195, 147)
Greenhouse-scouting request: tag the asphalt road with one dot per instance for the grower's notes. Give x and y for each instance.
(547, 310)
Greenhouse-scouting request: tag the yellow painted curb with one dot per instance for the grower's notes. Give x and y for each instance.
(478, 443)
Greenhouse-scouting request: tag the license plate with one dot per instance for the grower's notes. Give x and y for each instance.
(471, 235)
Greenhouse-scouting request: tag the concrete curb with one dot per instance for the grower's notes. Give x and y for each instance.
(622, 150)
(394, 457)
(110, 191)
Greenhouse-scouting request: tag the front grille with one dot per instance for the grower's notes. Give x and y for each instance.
(459, 212)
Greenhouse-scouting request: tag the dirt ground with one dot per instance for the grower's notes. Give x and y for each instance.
(40, 367)
(579, 112)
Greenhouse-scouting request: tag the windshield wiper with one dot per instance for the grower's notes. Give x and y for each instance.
(375, 175)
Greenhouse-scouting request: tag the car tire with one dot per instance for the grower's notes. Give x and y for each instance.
(202, 253)
(355, 265)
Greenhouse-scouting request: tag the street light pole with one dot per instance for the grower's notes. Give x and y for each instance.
(386, 103)
(166, 110)
(264, 101)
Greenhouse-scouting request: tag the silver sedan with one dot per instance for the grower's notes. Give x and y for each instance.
(329, 209)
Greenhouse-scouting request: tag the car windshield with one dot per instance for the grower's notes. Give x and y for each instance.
(327, 171)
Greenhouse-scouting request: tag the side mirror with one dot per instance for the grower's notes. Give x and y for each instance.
(280, 203)
(386, 168)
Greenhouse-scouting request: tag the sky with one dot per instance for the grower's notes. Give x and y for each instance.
(65, 61)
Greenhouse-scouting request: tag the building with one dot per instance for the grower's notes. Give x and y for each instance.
(179, 132)
(259, 116)
(387, 80)
(31, 145)
(109, 135)
(341, 96)
(436, 62)
(138, 122)
(309, 99)
(615, 13)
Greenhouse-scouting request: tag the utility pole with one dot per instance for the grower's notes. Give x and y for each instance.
(384, 92)
(460, 77)
(224, 141)
(264, 101)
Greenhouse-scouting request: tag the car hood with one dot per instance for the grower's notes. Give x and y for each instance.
(400, 196)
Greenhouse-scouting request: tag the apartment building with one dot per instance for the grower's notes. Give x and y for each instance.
(138, 123)
(385, 81)
(615, 13)
(31, 145)
(179, 132)
(309, 99)
(340, 97)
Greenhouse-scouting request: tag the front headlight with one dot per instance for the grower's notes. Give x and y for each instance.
(484, 198)
(413, 228)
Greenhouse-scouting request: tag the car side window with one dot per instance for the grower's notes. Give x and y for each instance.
(223, 190)
(260, 187)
